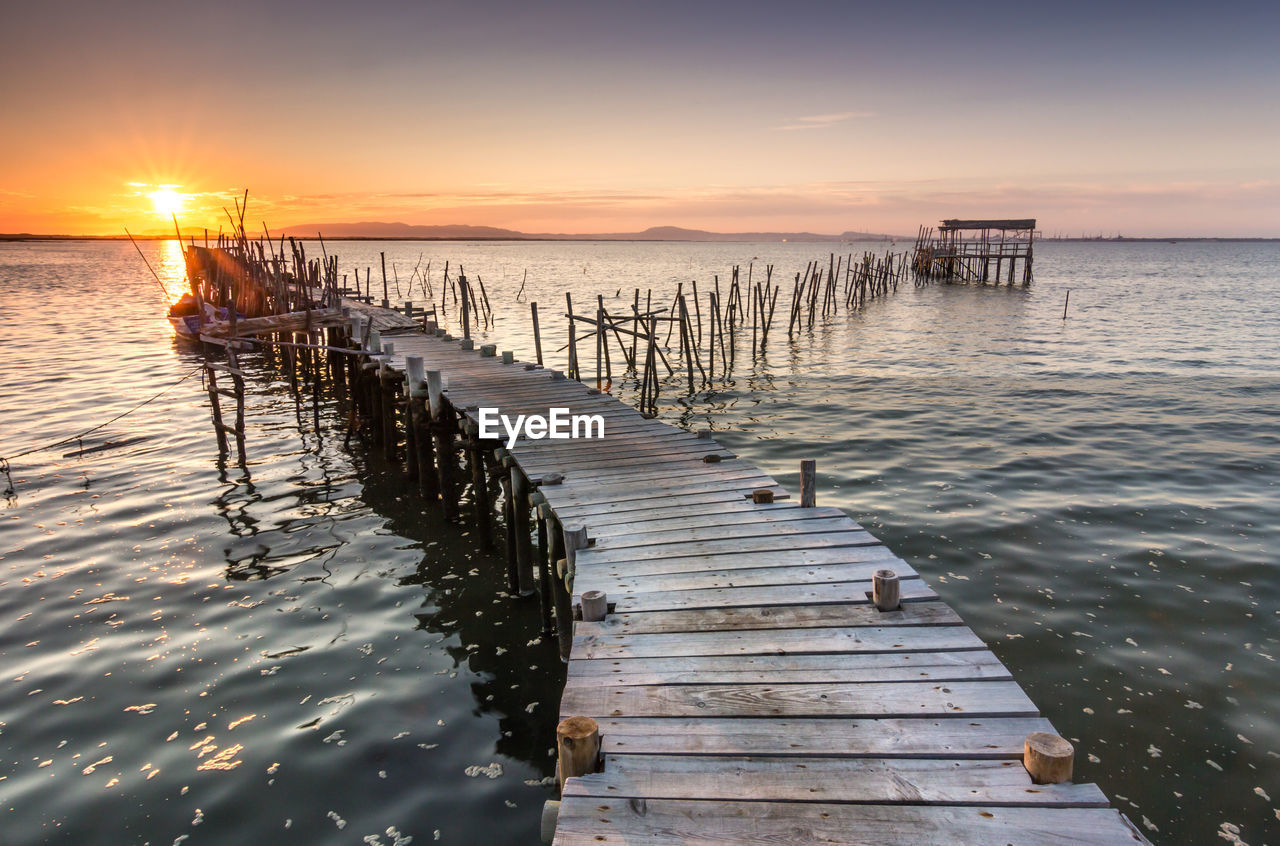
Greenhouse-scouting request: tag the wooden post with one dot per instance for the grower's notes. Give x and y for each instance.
(559, 593)
(524, 544)
(390, 391)
(509, 521)
(571, 369)
(386, 303)
(545, 566)
(412, 365)
(1048, 758)
(762, 496)
(884, 590)
(808, 483)
(373, 399)
(435, 393)
(442, 427)
(466, 313)
(599, 343)
(574, 540)
(418, 419)
(479, 482)
(577, 748)
(537, 336)
(595, 606)
(215, 408)
(550, 819)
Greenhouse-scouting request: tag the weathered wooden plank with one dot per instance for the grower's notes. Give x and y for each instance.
(798, 592)
(778, 642)
(591, 820)
(797, 531)
(698, 579)
(629, 572)
(871, 667)
(771, 617)
(988, 698)
(783, 546)
(622, 482)
(742, 513)
(912, 781)
(642, 439)
(578, 489)
(741, 629)
(620, 462)
(960, 737)
(658, 509)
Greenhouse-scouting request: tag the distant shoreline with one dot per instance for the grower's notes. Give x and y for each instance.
(24, 237)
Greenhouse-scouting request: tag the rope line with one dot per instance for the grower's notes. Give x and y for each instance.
(4, 461)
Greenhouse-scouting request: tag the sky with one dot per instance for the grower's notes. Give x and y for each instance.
(1141, 119)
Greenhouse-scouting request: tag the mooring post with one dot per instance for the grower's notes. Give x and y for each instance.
(391, 380)
(524, 543)
(442, 431)
(577, 748)
(808, 483)
(466, 310)
(885, 590)
(413, 374)
(509, 523)
(595, 606)
(537, 335)
(420, 417)
(574, 540)
(479, 482)
(561, 599)
(371, 385)
(1048, 758)
(545, 565)
(550, 819)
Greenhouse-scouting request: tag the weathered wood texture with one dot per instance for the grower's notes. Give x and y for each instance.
(746, 687)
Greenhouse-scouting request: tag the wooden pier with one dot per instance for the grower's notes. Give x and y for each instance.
(969, 251)
(743, 667)
(732, 678)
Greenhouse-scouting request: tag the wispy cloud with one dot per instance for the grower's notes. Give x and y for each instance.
(821, 121)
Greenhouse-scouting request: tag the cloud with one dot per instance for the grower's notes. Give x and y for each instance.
(822, 121)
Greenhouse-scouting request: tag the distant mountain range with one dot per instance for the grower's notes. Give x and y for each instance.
(384, 231)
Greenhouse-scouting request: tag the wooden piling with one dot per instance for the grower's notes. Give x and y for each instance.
(389, 391)
(1049, 759)
(561, 600)
(885, 590)
(524, 543)
(537, 335)
(443, 428)
(577, 748)
(595, 606)
(479, 482)
(545, 566)
(808, 483)
(419, 419)
(509, 526)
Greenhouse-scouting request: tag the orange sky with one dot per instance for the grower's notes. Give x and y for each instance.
(570, 117)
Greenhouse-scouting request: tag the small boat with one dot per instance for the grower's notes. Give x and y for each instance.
(185, 317)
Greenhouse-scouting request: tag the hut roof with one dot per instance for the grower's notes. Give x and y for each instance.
(950, 225)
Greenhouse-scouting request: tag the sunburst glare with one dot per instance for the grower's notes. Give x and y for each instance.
(166, 201)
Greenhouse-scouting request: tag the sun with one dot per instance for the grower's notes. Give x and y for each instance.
(166, 201)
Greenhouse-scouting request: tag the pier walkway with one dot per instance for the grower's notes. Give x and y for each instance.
(745, 687)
